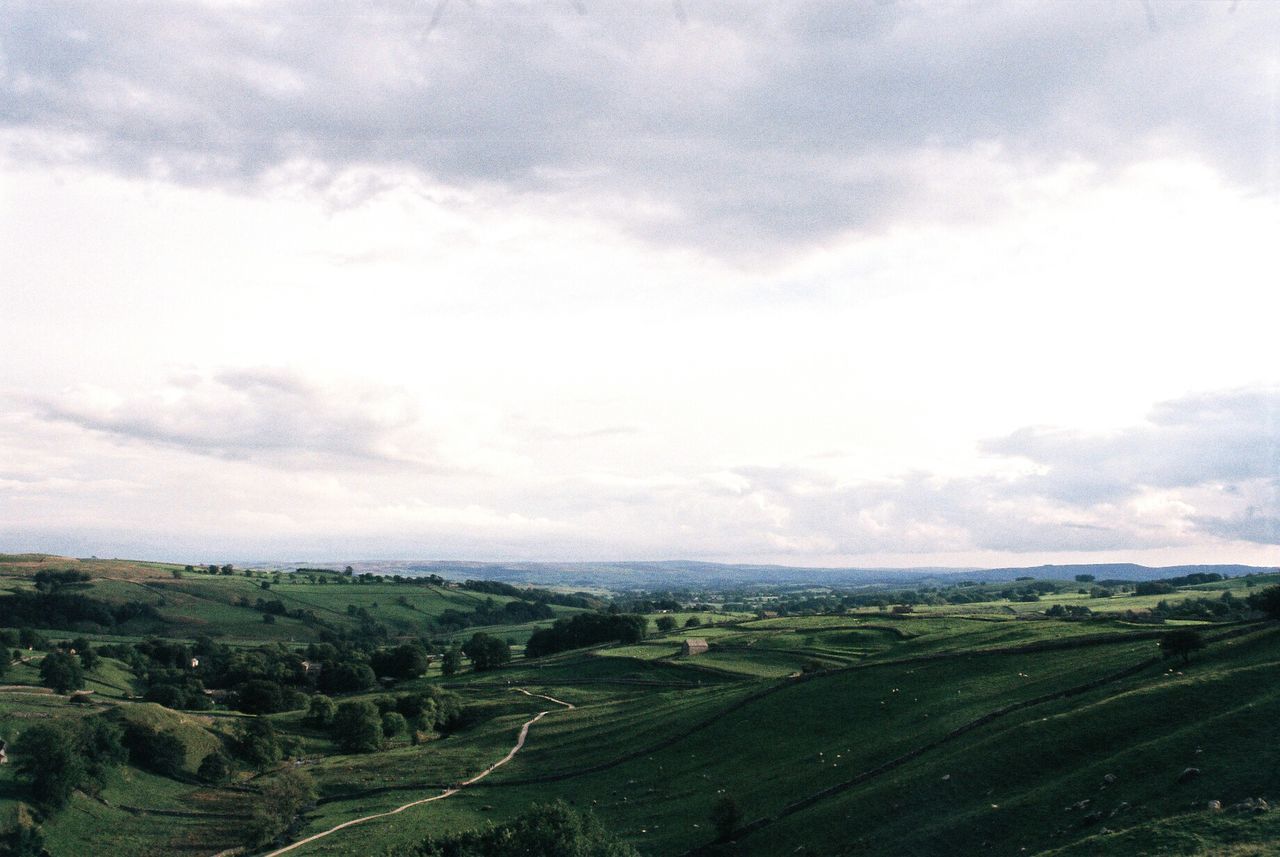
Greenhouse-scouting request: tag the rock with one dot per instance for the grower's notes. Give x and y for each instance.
(1109, 779)
(1080, 804)
(1092, 818)
(1214, 806)
(946, 777)
(1188, 774)
(1251, 805)
(1120, 807)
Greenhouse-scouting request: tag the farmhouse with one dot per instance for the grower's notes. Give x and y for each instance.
(693, 646)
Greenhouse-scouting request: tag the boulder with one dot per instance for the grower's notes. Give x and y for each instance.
(1188, 774)
(1214, 806)
(1109, 778)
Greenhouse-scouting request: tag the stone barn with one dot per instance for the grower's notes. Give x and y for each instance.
(694, 646)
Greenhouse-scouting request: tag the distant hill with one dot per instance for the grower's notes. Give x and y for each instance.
(678, 574)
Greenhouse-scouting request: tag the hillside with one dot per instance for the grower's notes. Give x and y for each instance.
(986, 726)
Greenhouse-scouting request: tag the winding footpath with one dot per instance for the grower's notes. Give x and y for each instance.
(524, 733)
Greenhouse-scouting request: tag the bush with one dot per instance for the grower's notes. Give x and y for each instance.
(726, 817)
(393, 724)
(552, 830)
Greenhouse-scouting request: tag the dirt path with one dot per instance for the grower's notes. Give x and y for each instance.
(524, 733)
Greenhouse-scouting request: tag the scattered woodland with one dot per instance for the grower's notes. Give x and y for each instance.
(170, 709)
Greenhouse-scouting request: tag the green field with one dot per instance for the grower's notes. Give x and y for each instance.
(953, 729)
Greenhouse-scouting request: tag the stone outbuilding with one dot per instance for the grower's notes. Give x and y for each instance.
(693, 646)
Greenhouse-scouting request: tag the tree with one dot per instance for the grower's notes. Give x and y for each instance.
(23, 838)
(215, 768)
(666, 623)
(393, 724)
(278, 805)
(48, 756)
(451, 661)
(486, 652)
(1267, 601)
(403, 662)
(726, 817)
(1085, 578)
(256, 742)
(1181, 643)
(347, 677)
(692, 622)
(321, 711)
(157, 751)
(62, 672)
(260, 696)
(88, 657)
(357, 727)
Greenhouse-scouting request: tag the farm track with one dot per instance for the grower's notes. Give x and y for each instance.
(911, 755)
(449, 792)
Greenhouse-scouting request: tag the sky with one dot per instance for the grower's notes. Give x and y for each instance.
(813, 283)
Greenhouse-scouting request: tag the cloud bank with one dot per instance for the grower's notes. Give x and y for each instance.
(729, 127)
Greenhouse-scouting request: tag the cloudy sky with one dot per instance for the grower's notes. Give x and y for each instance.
(866, 283)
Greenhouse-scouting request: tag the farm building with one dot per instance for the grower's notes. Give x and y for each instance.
(695, 646)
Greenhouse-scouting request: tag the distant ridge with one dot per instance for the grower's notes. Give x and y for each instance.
(673, 574)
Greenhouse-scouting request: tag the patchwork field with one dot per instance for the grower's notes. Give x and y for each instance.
(989, 729)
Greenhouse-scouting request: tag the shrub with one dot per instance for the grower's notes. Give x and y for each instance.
(726, 816)
(552, 830)
(393, 724)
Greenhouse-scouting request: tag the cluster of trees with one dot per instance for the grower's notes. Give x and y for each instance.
(361, 726)
(492, 613)
(1069, 611)
(586, 629)
(58, 608)
(1266, 601)
(262, 680)
(542, 596)
(59, 757)
(1227, 606)
(553, 830)
(486, 652)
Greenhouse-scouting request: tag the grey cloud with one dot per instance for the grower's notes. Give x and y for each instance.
(1219, 452)
(1222, 437)
(748, 126)
(259, 414)
(1252, 526)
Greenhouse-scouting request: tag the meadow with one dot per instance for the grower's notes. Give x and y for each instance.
(984, 727)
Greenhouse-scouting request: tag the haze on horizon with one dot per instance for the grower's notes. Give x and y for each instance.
(815, 283)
